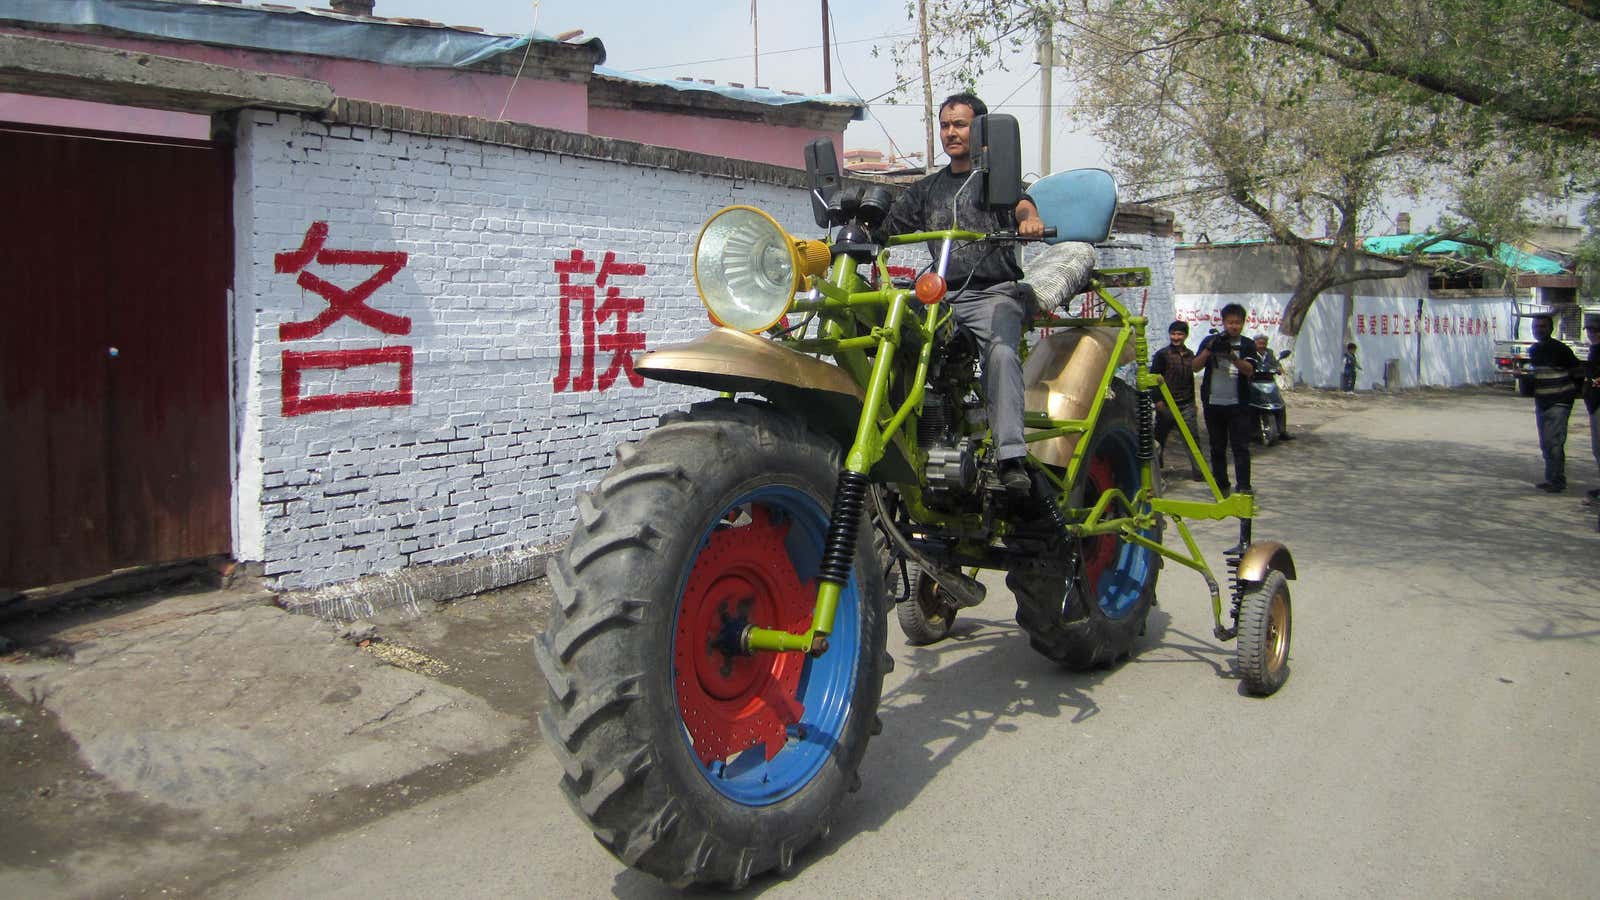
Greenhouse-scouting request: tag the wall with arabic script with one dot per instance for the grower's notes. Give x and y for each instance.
(1404, 337)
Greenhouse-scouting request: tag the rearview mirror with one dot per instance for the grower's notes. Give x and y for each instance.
(998, 143)
(822, 165)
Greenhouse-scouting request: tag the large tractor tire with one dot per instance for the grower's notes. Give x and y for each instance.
(688, 762)
(1092, 619)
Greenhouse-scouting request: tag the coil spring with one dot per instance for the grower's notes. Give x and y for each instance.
(1147, 426)
(1052, 510)
(849, 502)
(1235, 586)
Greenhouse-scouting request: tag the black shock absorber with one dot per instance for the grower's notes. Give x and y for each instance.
(1235, 587)
(1147, 426)
(849, 502)
(1052, 509)
(1232, 556)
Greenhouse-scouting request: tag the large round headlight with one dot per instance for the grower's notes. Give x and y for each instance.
(746, 269)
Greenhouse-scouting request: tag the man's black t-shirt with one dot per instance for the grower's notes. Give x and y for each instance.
(926, 206)
(1174, 364)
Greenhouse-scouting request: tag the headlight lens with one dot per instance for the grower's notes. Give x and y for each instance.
(745, 269)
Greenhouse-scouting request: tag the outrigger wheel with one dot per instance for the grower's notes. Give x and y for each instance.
(1265, 622)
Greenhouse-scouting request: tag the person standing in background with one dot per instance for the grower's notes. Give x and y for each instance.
(1554, 366)
(1347, 382)
(1229, 359)
(1591, 393)
(1175, 364)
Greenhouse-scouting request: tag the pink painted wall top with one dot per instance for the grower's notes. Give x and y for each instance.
(428, 67)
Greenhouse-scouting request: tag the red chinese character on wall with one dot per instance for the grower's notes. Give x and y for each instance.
(342, 303)
(1361, 323)
(614, 308)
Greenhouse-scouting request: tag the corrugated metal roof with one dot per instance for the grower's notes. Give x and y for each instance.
(407, 42)
(285, 29)
(735, 92)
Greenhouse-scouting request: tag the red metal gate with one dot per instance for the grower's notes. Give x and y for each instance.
(115, 261)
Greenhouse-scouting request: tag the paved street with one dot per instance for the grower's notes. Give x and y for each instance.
(1437, 736)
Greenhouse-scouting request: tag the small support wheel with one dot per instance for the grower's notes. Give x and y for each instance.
(1265, 625)
(926, 615)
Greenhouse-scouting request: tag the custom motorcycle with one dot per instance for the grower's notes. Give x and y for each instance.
(716, 650)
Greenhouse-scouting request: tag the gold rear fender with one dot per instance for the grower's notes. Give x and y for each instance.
(1062, 376)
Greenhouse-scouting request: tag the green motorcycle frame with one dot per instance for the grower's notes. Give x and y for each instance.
(717, 649)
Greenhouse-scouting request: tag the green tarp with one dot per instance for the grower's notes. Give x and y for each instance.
(1401, 244)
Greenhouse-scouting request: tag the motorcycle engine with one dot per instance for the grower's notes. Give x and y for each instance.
(952, 469)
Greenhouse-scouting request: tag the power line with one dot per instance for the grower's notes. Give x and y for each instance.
(700, 62)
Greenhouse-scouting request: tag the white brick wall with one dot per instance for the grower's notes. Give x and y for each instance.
(487, 455)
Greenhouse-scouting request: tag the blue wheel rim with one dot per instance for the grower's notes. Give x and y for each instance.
(827, 683)
(1132, 567)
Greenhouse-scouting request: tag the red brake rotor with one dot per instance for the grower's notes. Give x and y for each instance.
(730, 703)
(1099, 550)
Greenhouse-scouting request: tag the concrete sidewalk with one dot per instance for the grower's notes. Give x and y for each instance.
(176, 738)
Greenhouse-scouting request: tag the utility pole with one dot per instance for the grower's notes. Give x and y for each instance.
(827, 53)
(755, 34)
(1047, 58)
(927, 87)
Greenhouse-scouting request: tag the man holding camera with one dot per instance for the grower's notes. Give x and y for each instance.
(1228, 359)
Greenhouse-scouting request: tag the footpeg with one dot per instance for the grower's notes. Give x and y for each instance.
(961, 590)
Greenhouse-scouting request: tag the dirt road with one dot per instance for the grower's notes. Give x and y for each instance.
(1437, 736)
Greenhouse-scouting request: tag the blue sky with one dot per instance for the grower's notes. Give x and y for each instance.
(662, 39)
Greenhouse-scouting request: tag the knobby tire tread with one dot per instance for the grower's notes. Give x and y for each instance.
(622, 775)
(1084, 639)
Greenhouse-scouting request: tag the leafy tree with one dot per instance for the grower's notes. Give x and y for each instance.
(1206, 109)
(1526, 63)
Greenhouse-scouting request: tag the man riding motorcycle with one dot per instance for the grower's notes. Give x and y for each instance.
(988, 297)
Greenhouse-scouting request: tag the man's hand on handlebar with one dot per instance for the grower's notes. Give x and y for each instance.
(1029, 225)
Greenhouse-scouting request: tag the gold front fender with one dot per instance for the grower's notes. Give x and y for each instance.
(1262, 556)
(822, 394)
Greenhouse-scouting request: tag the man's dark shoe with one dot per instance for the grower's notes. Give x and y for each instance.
(1286, 436)
(1196, 476)
(1014, 475)
(1552, 487)
(1245, 489)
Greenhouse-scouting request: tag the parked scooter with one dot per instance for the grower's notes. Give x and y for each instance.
(1272, 422)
